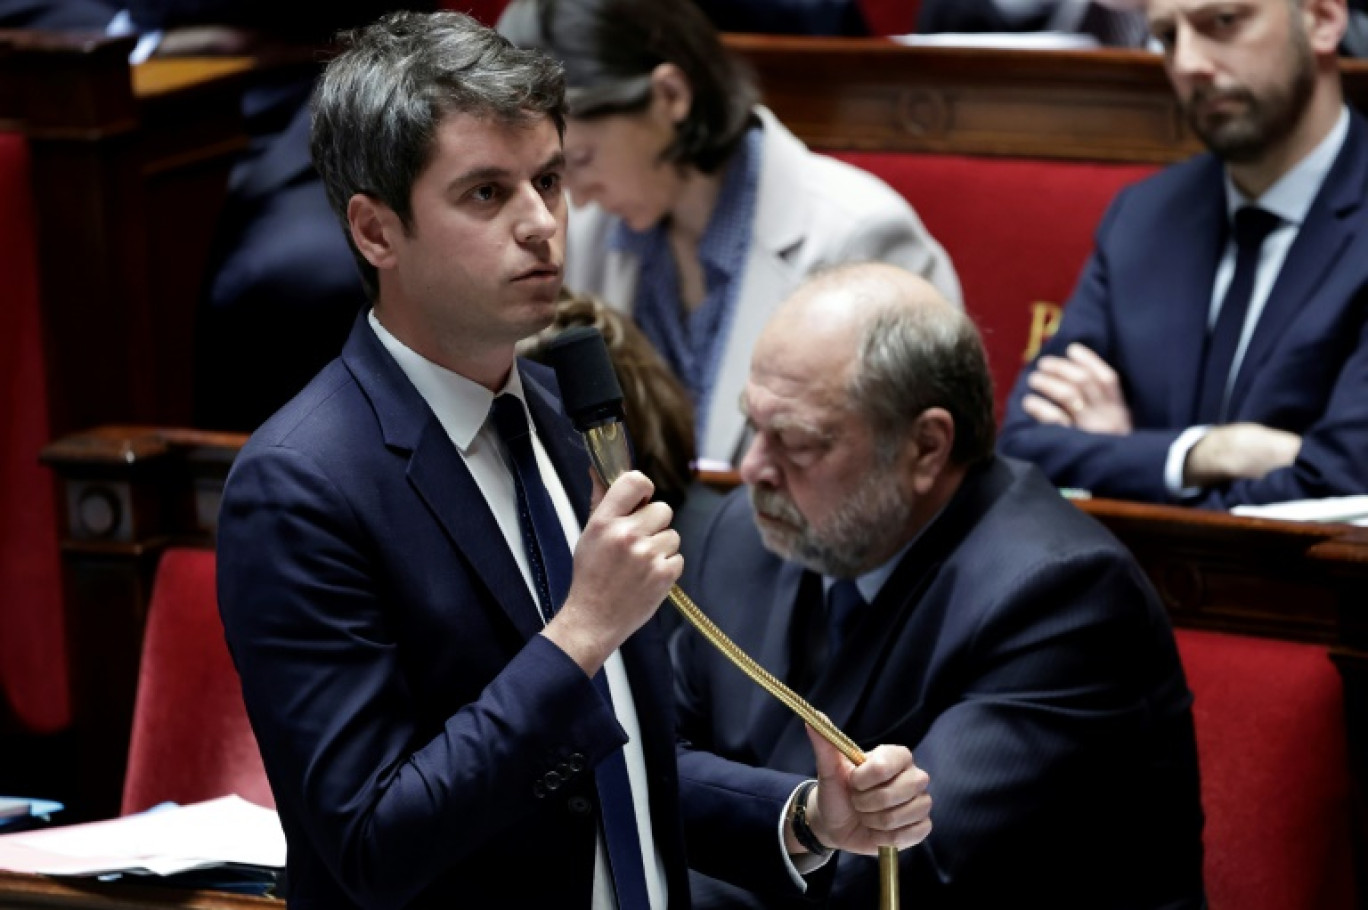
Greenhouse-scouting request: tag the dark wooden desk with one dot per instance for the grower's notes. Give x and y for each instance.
(36, 892)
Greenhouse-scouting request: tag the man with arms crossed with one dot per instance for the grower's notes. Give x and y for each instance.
(452, 711)
(1215, 351)
(923, 591)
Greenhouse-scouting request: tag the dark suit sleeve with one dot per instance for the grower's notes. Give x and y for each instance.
(731, 821)
(729, 807)
(1332, 460)
(386, 805)
(1039, 731)
(731, 810)
(1127, 467)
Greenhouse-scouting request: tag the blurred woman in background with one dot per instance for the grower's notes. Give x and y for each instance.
(696, 210)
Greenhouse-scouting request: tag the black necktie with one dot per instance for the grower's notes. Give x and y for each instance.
(552, 568)
(1252, 227)
(844, 603)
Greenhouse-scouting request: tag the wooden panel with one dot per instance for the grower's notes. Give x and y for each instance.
(855, 93)
(1303, 582)
(127, 188)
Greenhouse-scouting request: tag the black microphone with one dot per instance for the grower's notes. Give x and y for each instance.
(592, 397)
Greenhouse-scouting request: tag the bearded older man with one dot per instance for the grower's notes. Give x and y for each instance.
(1215, 351)
(923, 591)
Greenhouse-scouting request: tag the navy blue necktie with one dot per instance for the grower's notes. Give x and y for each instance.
(552, 568)
(1252, 227)
(844, 603)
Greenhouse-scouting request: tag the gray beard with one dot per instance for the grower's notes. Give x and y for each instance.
(842, 548)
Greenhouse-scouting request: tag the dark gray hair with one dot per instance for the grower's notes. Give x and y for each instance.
(912, 358)
(611, 47)
(378, 105)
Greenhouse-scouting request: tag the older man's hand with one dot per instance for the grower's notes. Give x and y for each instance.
(882, 803)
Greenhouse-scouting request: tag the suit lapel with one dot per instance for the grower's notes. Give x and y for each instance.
(1328, 229)
(1189, 258)
(439, 475)
(768, 715)
(844, 684)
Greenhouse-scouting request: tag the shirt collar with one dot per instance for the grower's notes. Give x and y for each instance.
(1290, 197)
(872, 582)
(460, 404)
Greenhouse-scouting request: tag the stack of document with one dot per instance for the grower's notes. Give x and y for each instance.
(1348, 509)
(227, 833)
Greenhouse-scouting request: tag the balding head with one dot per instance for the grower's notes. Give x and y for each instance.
(886, 340)
(869, 398)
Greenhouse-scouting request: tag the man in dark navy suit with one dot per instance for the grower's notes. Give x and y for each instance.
(921, 590)
(1215, 351)
(453, 710)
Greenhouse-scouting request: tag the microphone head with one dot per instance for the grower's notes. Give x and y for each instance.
(588, 383)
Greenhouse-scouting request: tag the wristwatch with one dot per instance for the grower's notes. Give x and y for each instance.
(802, 831)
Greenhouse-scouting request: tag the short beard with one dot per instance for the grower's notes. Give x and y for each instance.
(1266, 121)
(856, 532)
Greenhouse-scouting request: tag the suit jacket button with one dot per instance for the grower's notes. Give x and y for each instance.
(579, 805)
(539, 790)
(576, 762)
(553, 780)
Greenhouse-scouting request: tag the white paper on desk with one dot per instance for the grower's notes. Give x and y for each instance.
(201, 835)
(1012, 41)
(1350, 509)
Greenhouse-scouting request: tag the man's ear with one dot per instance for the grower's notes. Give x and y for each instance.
(1325, 22)
(374, 229)
(672, 89)
(929, 444)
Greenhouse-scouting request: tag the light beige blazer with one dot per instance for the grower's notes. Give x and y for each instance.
(811, 211)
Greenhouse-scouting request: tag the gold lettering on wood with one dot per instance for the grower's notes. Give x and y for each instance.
(1044, 323)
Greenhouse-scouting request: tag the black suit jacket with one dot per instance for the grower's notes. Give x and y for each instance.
(407, 711)
(1020, 653)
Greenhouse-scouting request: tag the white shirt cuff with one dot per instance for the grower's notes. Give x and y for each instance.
(1177, 459)
(122, 24)
(803, 863)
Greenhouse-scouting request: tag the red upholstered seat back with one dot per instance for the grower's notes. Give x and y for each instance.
(33, 663)
(1017, 230)
(191, 740)
(890, 17)
(486, 11)
(1275, 776)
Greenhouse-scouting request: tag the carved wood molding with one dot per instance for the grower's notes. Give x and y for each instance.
(872, 93)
